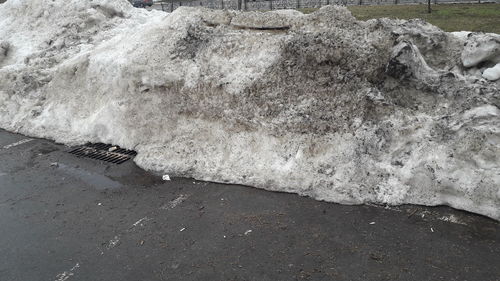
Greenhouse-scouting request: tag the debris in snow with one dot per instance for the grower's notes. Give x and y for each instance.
(374, 124)
(372, 222)
(166, 177)
(248, 232)
(182, 229)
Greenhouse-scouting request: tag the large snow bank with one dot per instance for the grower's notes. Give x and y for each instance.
(383, 111)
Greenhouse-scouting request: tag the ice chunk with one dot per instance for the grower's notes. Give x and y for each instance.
(492, 73)
(461, 34)
(480, 48)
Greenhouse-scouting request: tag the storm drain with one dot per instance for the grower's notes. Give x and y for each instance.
(104, 152)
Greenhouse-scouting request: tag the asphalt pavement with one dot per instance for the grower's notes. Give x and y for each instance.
(69, 218)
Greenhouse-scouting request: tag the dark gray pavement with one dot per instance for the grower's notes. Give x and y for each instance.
(82, 219)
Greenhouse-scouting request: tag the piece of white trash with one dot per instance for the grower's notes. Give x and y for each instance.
(248, 232)
(182, 229)
(372, 222)
(166, 177)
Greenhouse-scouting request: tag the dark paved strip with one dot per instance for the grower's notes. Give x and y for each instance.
(69, 218)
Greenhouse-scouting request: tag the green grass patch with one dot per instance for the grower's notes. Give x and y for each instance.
(448, 17)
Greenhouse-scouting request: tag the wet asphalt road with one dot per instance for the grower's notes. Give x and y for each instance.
(82, 219)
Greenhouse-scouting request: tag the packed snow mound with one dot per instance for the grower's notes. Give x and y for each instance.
(382, 111)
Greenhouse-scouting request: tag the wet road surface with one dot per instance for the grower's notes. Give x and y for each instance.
(68, 218)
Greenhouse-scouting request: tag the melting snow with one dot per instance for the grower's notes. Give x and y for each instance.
(324, 106)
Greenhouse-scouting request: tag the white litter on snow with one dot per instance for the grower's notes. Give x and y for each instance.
(213, 95)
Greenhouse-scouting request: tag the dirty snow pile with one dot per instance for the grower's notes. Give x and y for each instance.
(382, 111)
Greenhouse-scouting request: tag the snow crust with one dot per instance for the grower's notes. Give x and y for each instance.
(383, 111)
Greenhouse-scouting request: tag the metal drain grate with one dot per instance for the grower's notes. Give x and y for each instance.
(104, 152)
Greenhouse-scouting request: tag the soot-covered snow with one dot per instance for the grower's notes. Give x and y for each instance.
(382, 111)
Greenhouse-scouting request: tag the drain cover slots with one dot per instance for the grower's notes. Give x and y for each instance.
(104, 152)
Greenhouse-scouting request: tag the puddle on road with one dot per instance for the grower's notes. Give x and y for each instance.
(98, 181)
